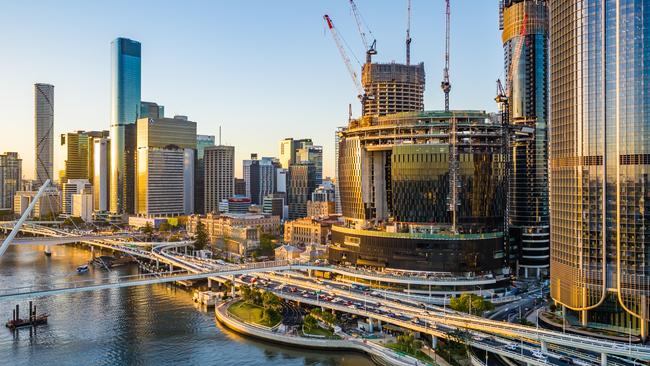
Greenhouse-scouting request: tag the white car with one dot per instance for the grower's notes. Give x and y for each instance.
(512, 346)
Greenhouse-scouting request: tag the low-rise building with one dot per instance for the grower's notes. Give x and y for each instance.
(220, 226)
(320, 208)
(48, 206)
(287, 252)
(309, 230)
(137, 222)
(82, 205)
(313, 252)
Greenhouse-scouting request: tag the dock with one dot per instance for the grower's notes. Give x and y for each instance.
(33, 320)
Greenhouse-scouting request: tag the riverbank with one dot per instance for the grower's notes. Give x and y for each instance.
(385, 355)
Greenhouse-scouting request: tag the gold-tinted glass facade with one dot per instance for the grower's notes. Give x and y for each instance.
(599, 140)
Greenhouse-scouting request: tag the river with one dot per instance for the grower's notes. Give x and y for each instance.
(145, 325)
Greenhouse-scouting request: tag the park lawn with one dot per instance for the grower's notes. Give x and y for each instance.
(251, 313)
(318, 331)
(419, 354)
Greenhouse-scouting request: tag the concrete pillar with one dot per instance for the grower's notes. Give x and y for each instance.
(544, 346)
(209, 284)
(232, 289)
(171, 268)
(603, 359)
(434, 342)
(379, 327)
(583, 318)
(371, 328)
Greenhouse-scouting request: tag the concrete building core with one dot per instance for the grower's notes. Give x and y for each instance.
(392, 88)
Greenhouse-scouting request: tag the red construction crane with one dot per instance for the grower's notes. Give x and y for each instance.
(344, 55)
(361, 25)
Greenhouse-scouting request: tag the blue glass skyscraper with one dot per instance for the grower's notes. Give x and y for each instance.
(125, 107)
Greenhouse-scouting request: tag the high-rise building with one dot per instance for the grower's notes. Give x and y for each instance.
(273, 204)
(151, 110)
(529, 245)
(314, 155)
(288, 149)
(76, 151)
(125, 106)
(599, 161)
(202, 141)
(260, 177)
(396, 194)
(165, 166)
(337, 193)
(44, 132)
(240, 187)
(301, 182)
(11, 171)
(101, 169)
(392, 88)
(219, 175)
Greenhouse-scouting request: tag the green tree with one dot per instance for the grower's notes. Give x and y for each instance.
(201, 238)
(328, 318)
(408, 343)
(166, 227)
(271, 301)
(310, 322)
(478, 306)
(147, 230)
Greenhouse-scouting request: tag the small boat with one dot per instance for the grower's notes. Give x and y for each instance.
(82, 268)
(47, 251)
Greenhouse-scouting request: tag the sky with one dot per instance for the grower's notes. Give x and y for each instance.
(262, 70)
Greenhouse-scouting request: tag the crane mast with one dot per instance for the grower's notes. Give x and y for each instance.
(446, 85)
(408, 32)
(370, 49)
(344, 56)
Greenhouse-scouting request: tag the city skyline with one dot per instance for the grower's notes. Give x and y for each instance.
(83, 91)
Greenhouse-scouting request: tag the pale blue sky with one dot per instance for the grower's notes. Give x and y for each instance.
(262, 69)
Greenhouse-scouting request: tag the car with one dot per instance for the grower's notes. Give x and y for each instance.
(478, 338)
(512, 346)
(328, 286)
(621, 346)
(567, 360)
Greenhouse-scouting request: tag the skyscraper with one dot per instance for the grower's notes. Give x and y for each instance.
(165, 166)
(314, 155)
(260, 177)
(101, 169)
(11, 170)
(151, 110)
(288, 149)
(301, 182)
(125, 107)
(219, 175)
(526, 66)
(599, 161)
(44, 132)
(76, 149)
(202, 141)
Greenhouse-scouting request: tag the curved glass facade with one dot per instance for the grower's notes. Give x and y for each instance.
(125, 106)
(528, 86)
(394, 178)
(599, 160)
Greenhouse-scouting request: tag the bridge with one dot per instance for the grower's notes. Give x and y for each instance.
(442, 319)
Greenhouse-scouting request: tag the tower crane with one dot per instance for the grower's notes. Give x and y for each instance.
(408, 32)
(370, 49)
(344, 56)
(445, 85)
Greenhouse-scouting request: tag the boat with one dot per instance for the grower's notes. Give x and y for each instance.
(47, 251)
(82, 268)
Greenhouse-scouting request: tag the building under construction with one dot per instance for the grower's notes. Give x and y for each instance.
(396, 187)
(392, 88)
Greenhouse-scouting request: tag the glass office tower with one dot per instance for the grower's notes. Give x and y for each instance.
(600, 165)
(125, 106)
(526, 64)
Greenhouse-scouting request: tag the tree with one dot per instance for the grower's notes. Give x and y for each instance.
(479, 305)
(201, 237)
(271, 301)
(165, 226)
(310, 322)
(328, 318)
(408, 343)
(147, 230)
